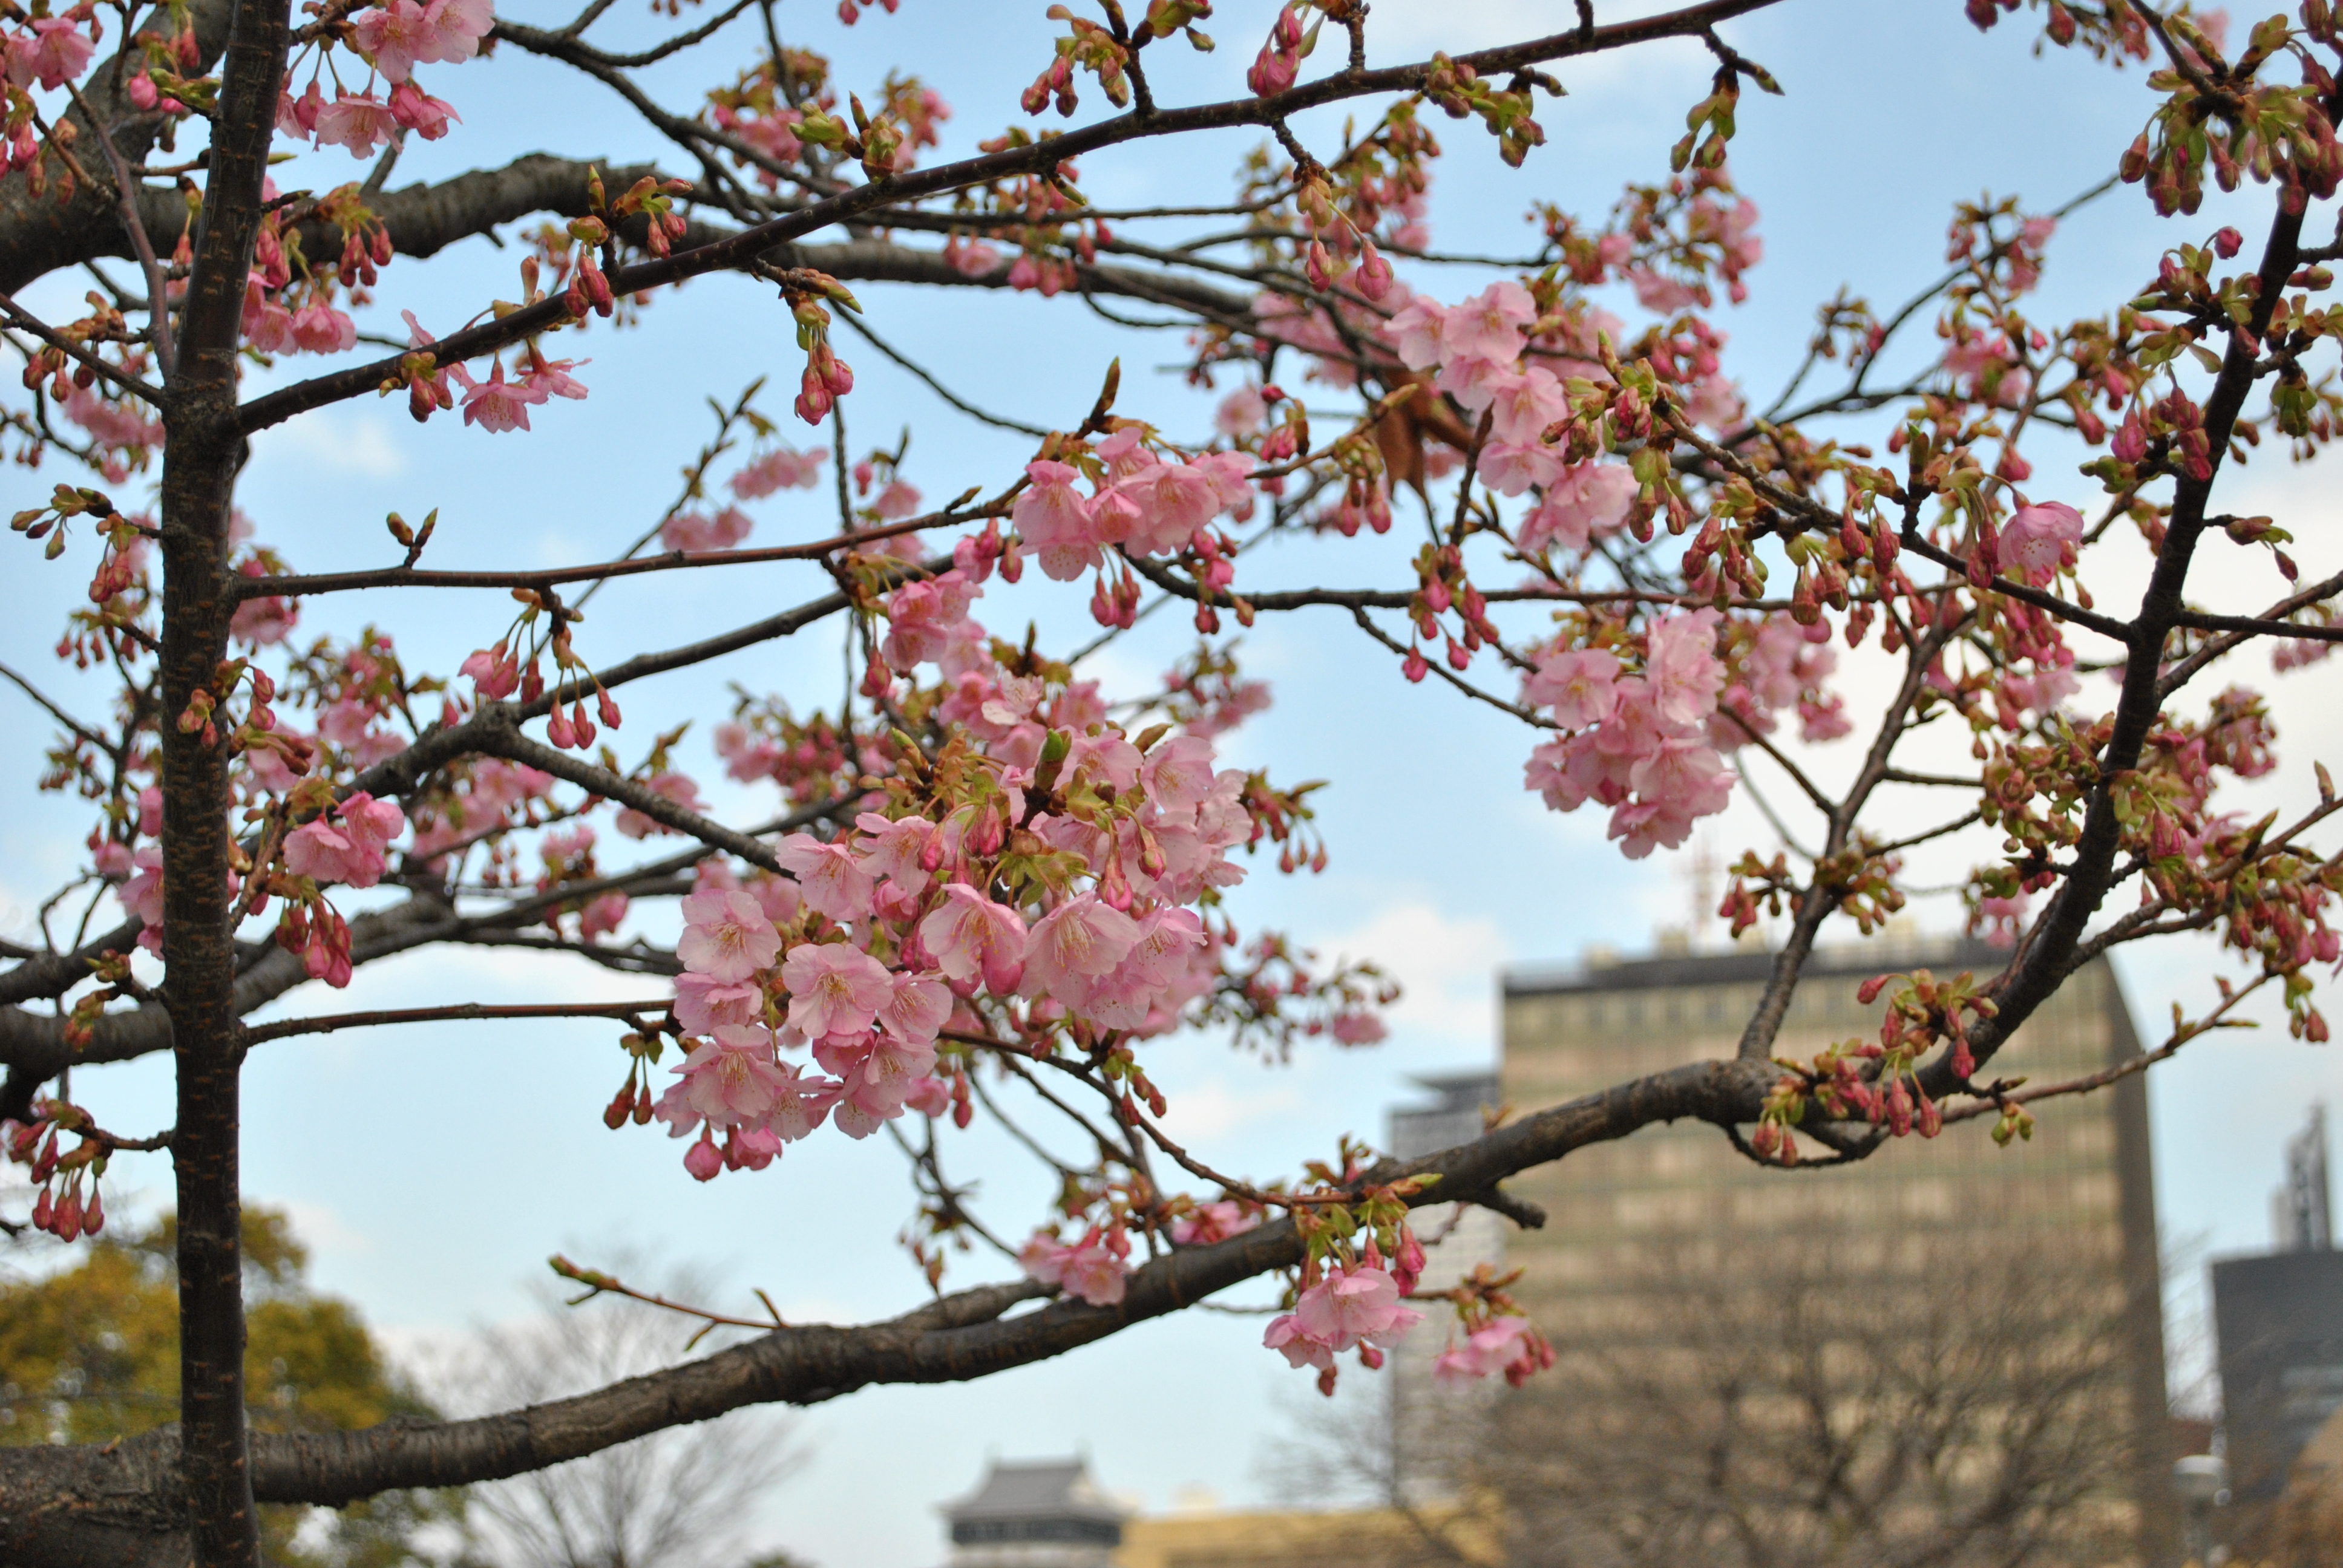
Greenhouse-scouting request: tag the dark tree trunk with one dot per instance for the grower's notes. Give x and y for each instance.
(204, 451)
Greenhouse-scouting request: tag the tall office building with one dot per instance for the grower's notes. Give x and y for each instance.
(1635, 1230)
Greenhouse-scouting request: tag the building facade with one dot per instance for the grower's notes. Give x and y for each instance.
(1633, 1228)
(2279, 1323)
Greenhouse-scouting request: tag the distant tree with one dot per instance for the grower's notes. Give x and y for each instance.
(91, 1355)
(682, 1498)
(1776, 1411)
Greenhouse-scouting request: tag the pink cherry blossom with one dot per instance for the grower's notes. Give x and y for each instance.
(1210, 1222)
(142, 895)
(726, 936)
(1352, 1305)
(419, 112)
(1485, 1351)
(1576, 687)
(1524, 404)
(971, 936)
(916, 1009)
(1177, 772)
(401, 35)
(670, 786)
(1054, 520)
(2036, 539)
(1416, 332)
(703, 1003)
(497, 404)
(1471, 379)
(320, 329)
(1091, 1269)
(780, 469)
(351, 853)
(268, 325)
(1716, 403)
(834, 988)
(552, 377)
(803, 1104)
(1659, 293)
(1582, 506)
(929, 1097)
(358, 121)
(732, 1079)
(1241, 414)
(1072, 945)
(113, 423)
(1509, 468)
(695, 533)
(57, 53)
(1094, 1273)
(1682, 668)
(921, 617)
(1299, 1348)
(832, 881)
(1490, 325)
(1175, 499)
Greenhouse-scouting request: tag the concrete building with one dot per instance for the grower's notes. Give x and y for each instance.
(1455, 1241)
(2278, 1320)
(2080, 1192)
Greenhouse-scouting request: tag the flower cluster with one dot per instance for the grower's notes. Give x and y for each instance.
(1639, 744)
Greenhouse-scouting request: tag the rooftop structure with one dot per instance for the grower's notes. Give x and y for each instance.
(1045, 1513)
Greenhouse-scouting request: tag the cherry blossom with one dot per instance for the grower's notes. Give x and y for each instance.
(57, 52)
(497, 404)
(2038, 539)
(1353, 1306)
(834, 988)
(780, 469)
(1074, 944)
(971, 938)
(351, 853)
(670, 785)
(1491, 326)
(726, 936)
(401, 35)
(732, 1079)
(1576, 687)
(359, 122)
(832, 880)
(1584, 504)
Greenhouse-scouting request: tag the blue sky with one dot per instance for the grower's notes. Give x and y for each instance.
(433, 1171)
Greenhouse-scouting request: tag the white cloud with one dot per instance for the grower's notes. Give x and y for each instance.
(323, 1229)
(1447, 964)
(355, 444)
(1214, 1107)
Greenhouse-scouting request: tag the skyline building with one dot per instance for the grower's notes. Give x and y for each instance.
(1632, 1226)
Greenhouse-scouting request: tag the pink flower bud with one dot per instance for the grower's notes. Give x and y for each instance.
(702, 1159)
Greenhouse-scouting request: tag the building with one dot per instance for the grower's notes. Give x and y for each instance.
(1036, 1514)
(1456, 1238)
(1051, 1513)
(2279, 1320)
(2080, 1192)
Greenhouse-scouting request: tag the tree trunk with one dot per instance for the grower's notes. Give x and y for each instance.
(204, 450)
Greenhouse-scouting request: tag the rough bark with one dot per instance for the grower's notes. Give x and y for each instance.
(199, 955)
(38, 234)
